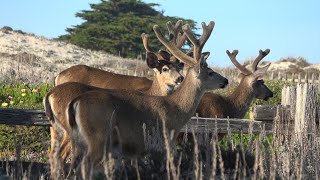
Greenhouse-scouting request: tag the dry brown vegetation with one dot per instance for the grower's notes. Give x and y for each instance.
(31, 59)
(279, 156)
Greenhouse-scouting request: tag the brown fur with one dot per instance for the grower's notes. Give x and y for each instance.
(55, 102)
(237, 104)
(100, 78)
(233, 106)
(97, 113)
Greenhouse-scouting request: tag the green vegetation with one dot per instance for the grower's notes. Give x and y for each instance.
(37, 138)
(23, 96)
(115, 26)
(275, 86)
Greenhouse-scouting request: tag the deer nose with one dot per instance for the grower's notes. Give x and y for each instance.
(224, 83)
(270, 94)
(180, 79)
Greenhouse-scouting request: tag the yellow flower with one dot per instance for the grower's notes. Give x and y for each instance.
(11, 102)
(4, 104)
(21, 102)
(23, 90)
(23, 94)
(35, 90)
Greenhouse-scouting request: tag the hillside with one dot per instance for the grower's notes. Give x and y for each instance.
(33, 59)
(30, 58)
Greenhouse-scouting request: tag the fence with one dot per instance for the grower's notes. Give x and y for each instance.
(301, 77)
(298, 104)
(29, 117)
(295, 77)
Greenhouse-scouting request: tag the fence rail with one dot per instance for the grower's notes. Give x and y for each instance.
(31, 117)
(298, 103)
(295, 77)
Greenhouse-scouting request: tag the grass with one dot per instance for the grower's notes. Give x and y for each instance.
(34, 141)
(278, 156)
(239, 156)
(23, 95)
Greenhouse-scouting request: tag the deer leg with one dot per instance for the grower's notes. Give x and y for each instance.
(53, 137)
(64, 151)
(86, 167)
(78, 150)
(58, 161)
(96, 150)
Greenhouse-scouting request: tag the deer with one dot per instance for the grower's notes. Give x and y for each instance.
(96, 115)
(237, 104)
(167, 76)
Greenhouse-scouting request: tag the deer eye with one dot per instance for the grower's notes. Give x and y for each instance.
(180, 65)
(260, 81)
(165, 69)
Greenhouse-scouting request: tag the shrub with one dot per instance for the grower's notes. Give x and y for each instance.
(23, 96)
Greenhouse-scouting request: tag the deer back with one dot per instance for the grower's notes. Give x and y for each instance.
(100, 78)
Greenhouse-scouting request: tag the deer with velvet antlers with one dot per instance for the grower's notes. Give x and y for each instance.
(96, 116)
(167, 77)
(237, 104)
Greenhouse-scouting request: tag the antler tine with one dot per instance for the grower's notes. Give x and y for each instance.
(198, 44)
(207, 30)
(233, 59)
(262, 54)
(173, 48)
(145, 39)
(175, 31)
(182, 37)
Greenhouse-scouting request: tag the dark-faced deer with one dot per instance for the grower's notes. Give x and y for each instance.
(95, 115)
(167, 77)
(237, 104)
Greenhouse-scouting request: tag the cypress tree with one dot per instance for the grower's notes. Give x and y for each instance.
(115, 26)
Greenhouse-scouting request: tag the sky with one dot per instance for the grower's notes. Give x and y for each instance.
(289, 28)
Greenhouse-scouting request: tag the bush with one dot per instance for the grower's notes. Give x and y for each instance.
(23, 96)
(276, 87)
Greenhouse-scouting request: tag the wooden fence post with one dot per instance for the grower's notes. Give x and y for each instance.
(292, 77)
(289, 98)
(305, 109)
(306, 78)
(272, 75)
(299, 78)
(288, 95)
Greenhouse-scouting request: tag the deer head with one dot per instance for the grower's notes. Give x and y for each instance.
(197, 61)
(167, 73)
(127, 112)
(253, 80)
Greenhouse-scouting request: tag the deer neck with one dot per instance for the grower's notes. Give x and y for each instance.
(241, 99)
(187, 97)
(158, 89)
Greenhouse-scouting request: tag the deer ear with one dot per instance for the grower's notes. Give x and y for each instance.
(203, 62)
(205, 55)
(152, 60)
(261, 71)
(165, 55)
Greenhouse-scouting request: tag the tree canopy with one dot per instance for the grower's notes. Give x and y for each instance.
(115, 26)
